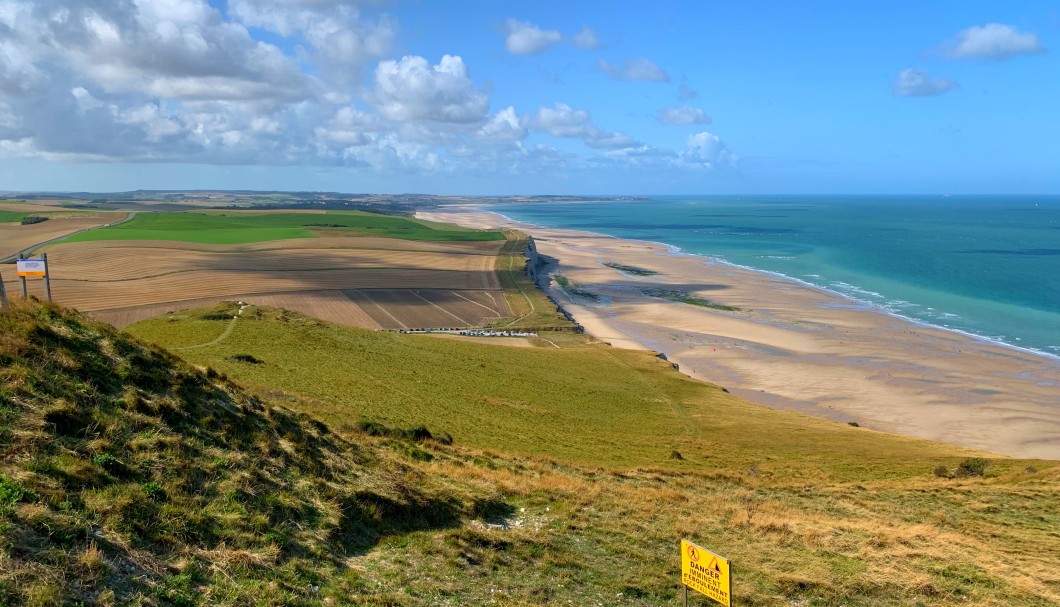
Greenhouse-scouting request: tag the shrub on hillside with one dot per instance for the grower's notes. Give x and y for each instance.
(417, 434)
(975, 466)
(245, 358)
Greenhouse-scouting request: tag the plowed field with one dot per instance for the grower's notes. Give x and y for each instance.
(15, 237)
(365, 282)
(430, 308)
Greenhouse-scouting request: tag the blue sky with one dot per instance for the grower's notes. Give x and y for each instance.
(546, 97)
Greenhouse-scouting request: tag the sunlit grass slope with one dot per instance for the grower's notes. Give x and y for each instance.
(129, 477)
(591, 404)
(241, 228)
(582, 441)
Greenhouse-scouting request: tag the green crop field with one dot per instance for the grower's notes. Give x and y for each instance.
(12, 216)
(242, 228)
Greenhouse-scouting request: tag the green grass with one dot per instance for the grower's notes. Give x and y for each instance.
(688, 298)
(579, 441)
(590, 405)
(12, 216)
(242, 228)
(531, 309)
(130, 477)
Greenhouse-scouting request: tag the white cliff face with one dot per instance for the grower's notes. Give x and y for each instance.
(532, 261)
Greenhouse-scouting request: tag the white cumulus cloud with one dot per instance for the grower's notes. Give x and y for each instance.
(525, 38)
(412, 89)
(561, 120)
(341, 40)
(586, 39)
(282, 83)
(683, 115)
(634, 69)
(504, 127)
(707, 150)
(912, 82)
(993, 42)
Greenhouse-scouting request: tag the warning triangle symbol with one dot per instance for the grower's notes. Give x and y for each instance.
(714, 564)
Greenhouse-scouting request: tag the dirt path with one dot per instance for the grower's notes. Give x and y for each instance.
(224, 334)
(38, 245)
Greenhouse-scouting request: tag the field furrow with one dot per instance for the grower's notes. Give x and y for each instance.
(369, 282)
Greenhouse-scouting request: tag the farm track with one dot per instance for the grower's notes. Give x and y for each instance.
(16, 238)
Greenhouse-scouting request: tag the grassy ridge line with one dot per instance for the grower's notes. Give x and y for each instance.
(243, 228)
(811, 512)
(531, 308)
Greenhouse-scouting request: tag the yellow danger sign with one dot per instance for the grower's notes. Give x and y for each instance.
(706, 573)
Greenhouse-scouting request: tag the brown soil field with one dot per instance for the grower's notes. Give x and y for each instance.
(87, 265)
(15, 237)
(211, 211)
(511, 342)
(29, 207)
(365, 282)
(331, 239)
(332, 306)
(430, 308)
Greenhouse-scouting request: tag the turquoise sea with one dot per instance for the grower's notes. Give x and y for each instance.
(985, 265)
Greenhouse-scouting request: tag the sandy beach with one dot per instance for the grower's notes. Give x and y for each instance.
(791, 346)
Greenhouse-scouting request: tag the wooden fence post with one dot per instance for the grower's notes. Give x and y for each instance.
(47, 278)
(3, 293)
(22, 281)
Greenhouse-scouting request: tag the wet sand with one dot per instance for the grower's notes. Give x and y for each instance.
(791, 346)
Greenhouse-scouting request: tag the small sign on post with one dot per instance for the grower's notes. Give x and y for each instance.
(34, 267)
(706, 573)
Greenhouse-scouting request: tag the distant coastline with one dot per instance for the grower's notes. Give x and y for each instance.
(867, 305)
(801, 347)
(960, 296)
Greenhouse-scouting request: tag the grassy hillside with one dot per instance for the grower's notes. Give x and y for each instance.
(611, 456)
(240, 228)
(589, 404)
(131, 477)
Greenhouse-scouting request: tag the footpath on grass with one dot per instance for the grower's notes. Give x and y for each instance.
(224, 334)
